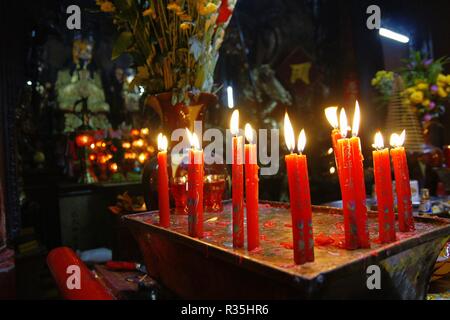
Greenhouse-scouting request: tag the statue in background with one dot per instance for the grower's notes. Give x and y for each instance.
(79, 91)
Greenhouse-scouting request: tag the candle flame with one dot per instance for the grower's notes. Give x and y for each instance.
(301, 141)
(249, 133)
(379, 143)
(343, 123)
(289, 133)
(398, 140)
(193, 139)
(356, 120)
(402, 138)
(162, 142)
(331, 114)
(234, 123)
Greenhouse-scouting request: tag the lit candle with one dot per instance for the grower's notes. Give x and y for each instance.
(383, 188)
(358, 180)
(402, 184)
(331, 114)
(163, 182)
(237, 177)
(300, 199)
(195, 187)
(347, 187)
(251, 189)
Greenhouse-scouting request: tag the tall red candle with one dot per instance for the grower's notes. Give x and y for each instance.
(402, 183)
(251, 190)
(163, 183)
(359, 182)
(237, 176)
(300, 200)
(348, 195)
(383, 188)
(195, 188)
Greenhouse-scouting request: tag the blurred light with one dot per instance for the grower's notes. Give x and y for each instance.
(330, 151)
(332, 170)
(141, 90)
(230, 97)
(393, 35)
(29, 83)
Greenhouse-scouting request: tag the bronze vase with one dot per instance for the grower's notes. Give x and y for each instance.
(178, 116)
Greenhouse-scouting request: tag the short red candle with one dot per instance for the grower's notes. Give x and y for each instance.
(383, 188)
(195, 189)
(402, 185)
(163, 183)
(237, 180)
(251, 191)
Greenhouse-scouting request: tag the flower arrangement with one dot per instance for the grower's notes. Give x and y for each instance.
(174, 44)
(426, 88)
(384, 83)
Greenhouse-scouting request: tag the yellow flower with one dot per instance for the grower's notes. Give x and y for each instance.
(208, 9)
(422, 86)
(185, 26)
(426, 103)
(185, 17)
(417, 97)
(173, 7)
(410, 91)
(107, 6)
(448, 79)
(442, 93)
(441, 78)
(149, 12)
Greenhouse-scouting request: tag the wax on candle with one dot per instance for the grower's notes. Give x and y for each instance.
(163, 182)
(251, 190)
(383, 188)
(237, 177)
(402, 183)
(359, 182)
(300, 201)
(195, 187)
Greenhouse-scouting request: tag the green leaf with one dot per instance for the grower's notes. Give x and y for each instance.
(123, 42)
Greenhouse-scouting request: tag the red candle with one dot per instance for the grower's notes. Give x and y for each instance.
(237, 176)
(383, 188)
(195, 188)
(348, 195)
(299, 193)
(163, 183)
(402, 184)
(331, 114)
(251, 190)
(359, 183)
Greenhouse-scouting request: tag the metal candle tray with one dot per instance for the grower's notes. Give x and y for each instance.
(210, 268)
